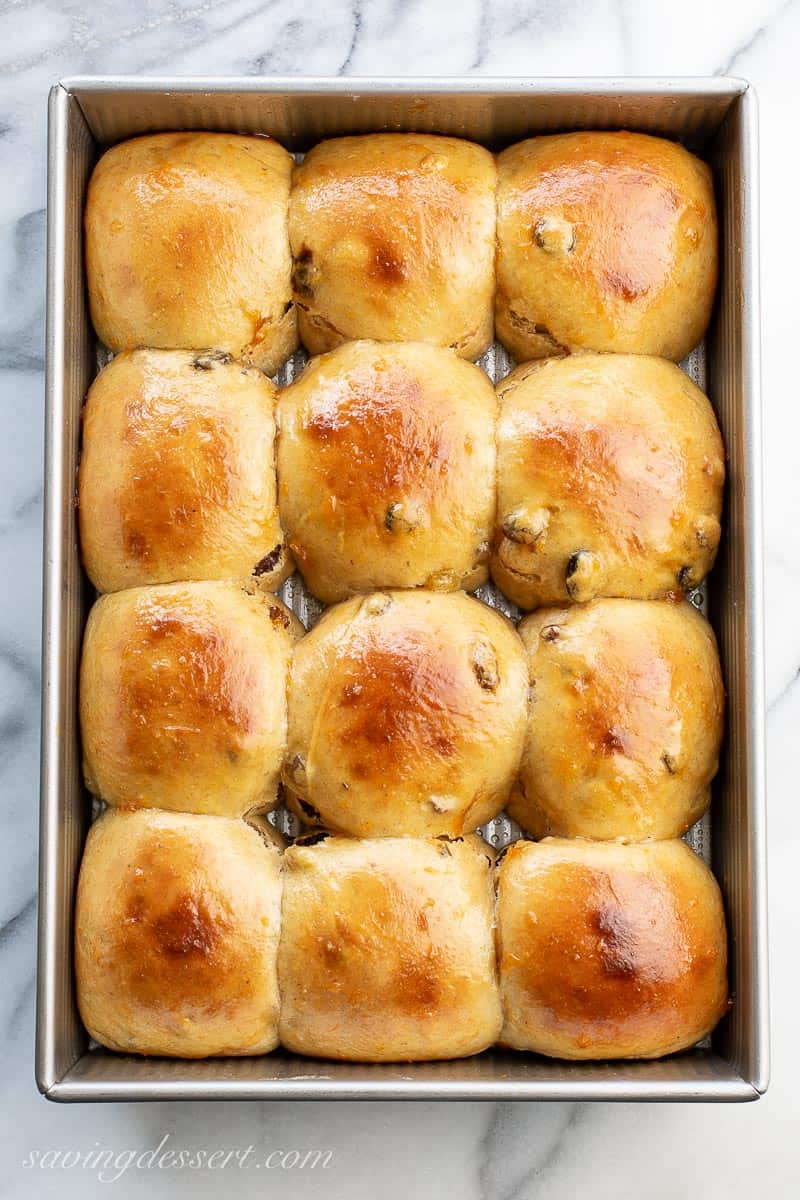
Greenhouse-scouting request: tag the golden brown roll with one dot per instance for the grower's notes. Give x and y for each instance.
(625, 720)
(605, 241)
(183, 697)
(406, 715)
(386, 464)
(176, 935)
(610, 474)
(187, 246)
(177, 474)
(392, 238)
(387, 950)
(609, 951)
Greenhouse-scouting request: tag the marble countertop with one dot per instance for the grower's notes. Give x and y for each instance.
(470, 1150)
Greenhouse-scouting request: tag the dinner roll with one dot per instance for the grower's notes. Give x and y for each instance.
(387, 469)
(406, 715)
(605, 241)
(392, 237)
(176, 935)
(625, 720)
(387, 950)
(610, 474)
(183, 697)
(609, 951)
(187, 246)
(177, 473)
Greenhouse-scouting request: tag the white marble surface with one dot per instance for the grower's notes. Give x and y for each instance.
(469, 1150)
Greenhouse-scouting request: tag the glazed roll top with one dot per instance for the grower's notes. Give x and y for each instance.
(605, 241)
(625, 721)
(187, 246)
(387, 950)
(610, 472)
(609, 951)
(176, 935)
(387, 469)
(177, 474)
(406, 716)
(183, 697)
(392, 238)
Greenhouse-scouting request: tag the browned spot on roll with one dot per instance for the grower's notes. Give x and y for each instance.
(400, 698)
(613, 741)
(180, 473)
(621, 696)
(616, 940)
(624, 286)
(182, 685)
(617, 948)
(194, 245)
(387, 264)
(176, 946)
(626, 213)
(376, 443)
(186, 928)
(589, 466)
(418, 982)
(165, 176)
(303, 273)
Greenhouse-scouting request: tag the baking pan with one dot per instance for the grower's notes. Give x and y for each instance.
(715, 117)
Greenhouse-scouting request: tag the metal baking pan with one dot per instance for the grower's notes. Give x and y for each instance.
(716, 118)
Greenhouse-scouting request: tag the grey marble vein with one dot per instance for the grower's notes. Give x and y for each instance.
(523, 1143)
(17, 1018)
(768, 27)
(786, 691)
(22, 322)
(24, 508)
(354, 40)
(17, 921)
(21, 664)
(505, 19)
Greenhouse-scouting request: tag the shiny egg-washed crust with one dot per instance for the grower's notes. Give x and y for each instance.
(605, 241)
(176, 935)
(386, 468)
(177, 473)
(406, 716)
(610, 473)
(187, 246)
(387, 951)
(392, 238)
(183, 697)
(609, 951)
(625, 720)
